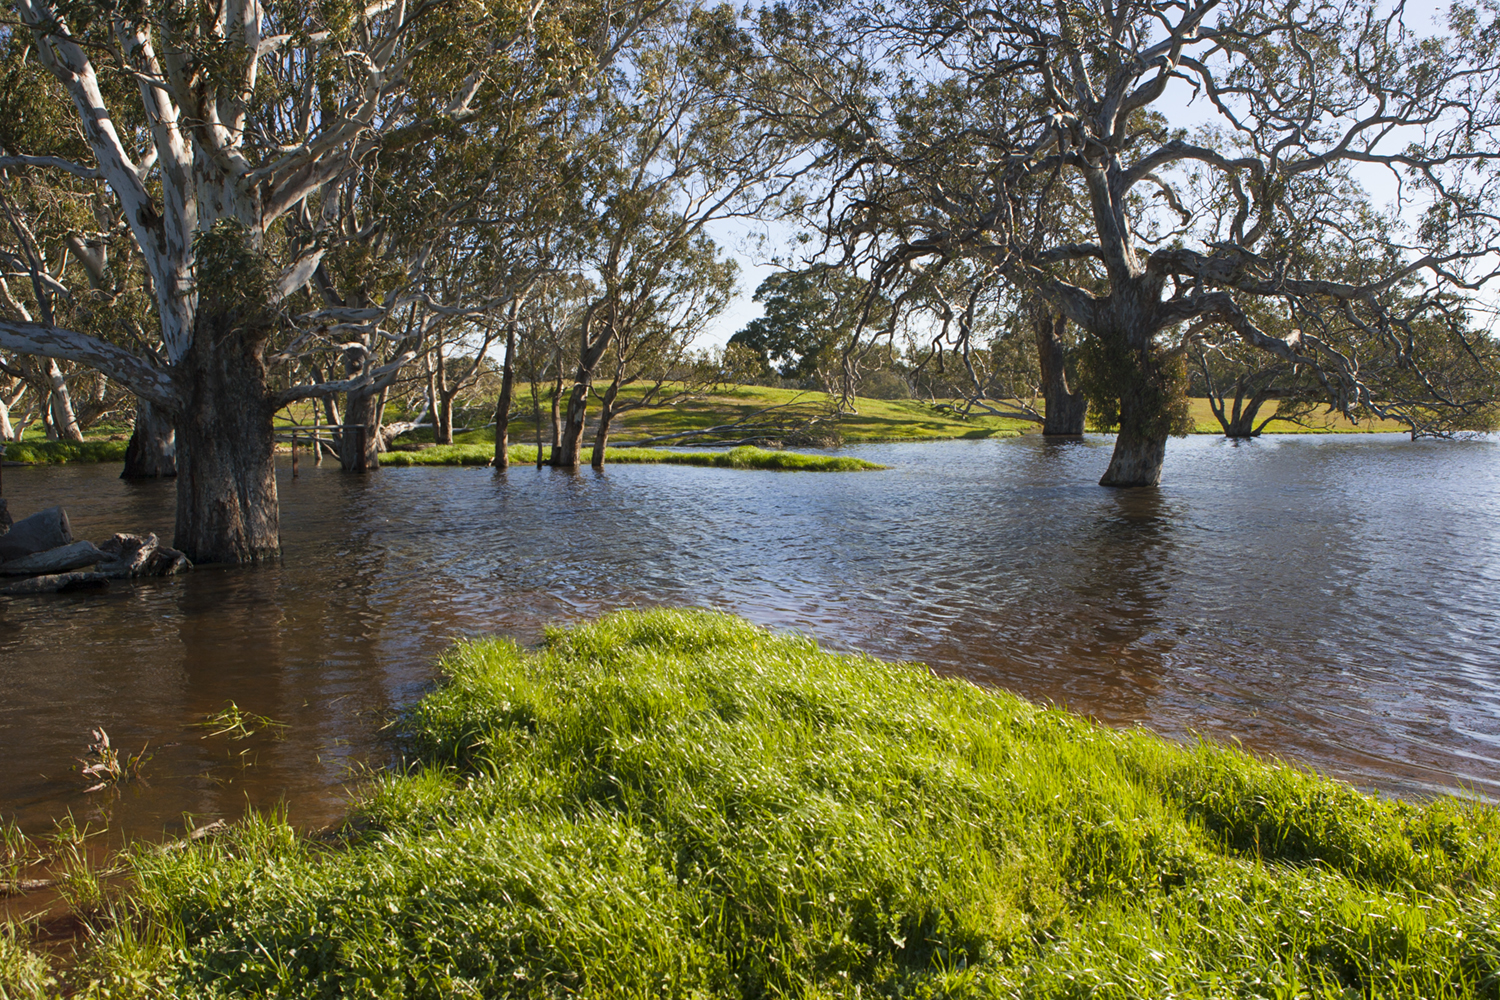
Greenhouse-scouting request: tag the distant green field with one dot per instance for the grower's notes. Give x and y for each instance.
(744, 457)
(789, 417)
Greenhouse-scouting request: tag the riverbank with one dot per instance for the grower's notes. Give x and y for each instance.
(744, 457)
(793, 417)
(679, 803)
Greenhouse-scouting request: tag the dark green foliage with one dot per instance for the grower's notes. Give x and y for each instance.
(235, 277)
(677, 803)
(1147, 387)
(809, 314)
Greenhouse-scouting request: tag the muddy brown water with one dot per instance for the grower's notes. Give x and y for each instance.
(1331, 600)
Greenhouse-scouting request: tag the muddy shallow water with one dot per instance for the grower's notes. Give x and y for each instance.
(1331, 599)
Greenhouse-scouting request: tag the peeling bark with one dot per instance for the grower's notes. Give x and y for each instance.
(64, 420)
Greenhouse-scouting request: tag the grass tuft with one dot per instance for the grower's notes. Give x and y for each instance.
(23, 973)
(678, 803)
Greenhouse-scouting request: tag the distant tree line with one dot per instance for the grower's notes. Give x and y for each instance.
(372, 213)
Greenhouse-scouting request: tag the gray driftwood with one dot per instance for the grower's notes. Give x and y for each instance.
(60, 583)
(44, 530)
(140, 555)
(58, 560)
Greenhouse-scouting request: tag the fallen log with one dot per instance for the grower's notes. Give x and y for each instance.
(44, 530)
(127, 555)
(166, 561)
(140, 555)
(61, 583)
(58, 560)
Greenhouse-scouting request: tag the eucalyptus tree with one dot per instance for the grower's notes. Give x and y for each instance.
(951, 126)
(809, 314)
(210, 126)
(653, 351)
(540, 334)
(672, 158)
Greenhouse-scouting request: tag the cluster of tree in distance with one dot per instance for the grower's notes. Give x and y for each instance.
(213, 209)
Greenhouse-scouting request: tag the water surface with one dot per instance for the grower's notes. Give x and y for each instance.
(1332, 600)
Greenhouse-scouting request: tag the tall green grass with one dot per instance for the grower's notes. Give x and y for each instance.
(745, 457)
(59, 452)
(677, 803)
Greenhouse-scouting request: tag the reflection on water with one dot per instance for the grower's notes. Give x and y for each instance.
(1330, 600)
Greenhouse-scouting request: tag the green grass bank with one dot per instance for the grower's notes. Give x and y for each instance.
(744, 457)
(679, 804)
(62, 452)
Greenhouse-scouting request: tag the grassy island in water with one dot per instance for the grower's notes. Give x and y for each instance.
(681, 804)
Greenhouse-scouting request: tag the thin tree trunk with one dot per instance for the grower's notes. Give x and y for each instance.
(8, 430)
(443, 429)
(606, 415)
(432, 392)
(152, 451)
(64, 422)
(503, 404)
(536, 414)
(557, 425)
(1065, 410)
(569, 452)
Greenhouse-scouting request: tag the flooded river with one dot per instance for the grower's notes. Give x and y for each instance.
(1334, 600)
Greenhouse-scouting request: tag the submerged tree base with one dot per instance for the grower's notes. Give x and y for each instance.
(678, 803)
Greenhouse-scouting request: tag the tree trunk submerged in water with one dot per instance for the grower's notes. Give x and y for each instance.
(569, 451)
(152, 451)
(226, 474)
(503, 404)
(360, 452)
(606, 417)
(1137, 460)
(1064, 410)
(1148, 416)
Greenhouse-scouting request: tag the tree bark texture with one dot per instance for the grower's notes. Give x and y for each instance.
(63, 422)
(152, 451)
(226, 474)
(557, 393)
(569, 451)
(360, 452)
(61, 559)
(1140, 448)
(1064, 410)
(7, 430)
(606, 416)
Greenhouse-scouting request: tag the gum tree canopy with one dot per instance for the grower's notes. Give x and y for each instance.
(212, 123)
(1151, 168)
